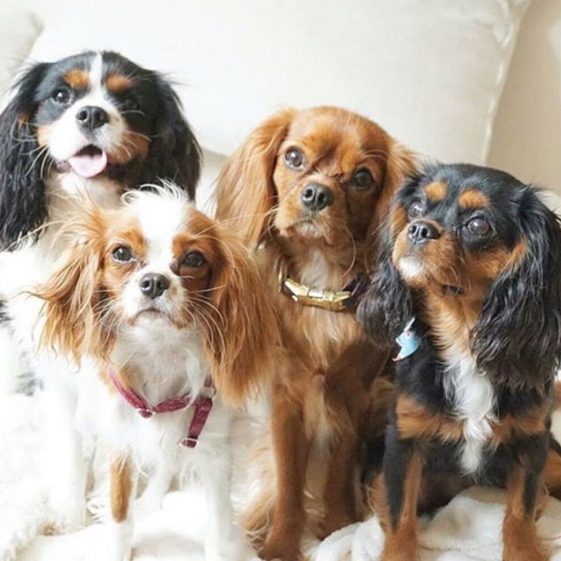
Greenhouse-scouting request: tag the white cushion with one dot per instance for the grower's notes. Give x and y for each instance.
(18, 30)
(429, 71)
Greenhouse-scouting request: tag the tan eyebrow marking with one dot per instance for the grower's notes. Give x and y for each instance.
(436, 191)
(77, 79)
(118, 83)
(472, 198)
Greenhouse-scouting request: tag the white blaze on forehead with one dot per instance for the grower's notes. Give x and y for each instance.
(162, 217)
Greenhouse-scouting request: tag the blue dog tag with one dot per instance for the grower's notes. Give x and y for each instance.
(408, 341)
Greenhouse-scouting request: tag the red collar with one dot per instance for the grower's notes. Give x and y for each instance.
(202, 403)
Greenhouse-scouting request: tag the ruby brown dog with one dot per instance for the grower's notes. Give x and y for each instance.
(308, 191)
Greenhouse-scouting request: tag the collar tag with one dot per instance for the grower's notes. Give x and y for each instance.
(408, 340)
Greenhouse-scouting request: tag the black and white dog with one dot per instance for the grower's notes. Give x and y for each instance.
(95, 124)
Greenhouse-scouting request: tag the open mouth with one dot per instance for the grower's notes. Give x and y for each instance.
(89, 162)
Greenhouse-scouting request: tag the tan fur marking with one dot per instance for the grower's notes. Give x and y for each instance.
(77, 79)
(521, 542)
(436, 191)
(473, 198)
(118, 83)
(121, 488)
(415, 421)
(401, 542)
(532, 423)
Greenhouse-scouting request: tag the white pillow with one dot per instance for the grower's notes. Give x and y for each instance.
(430, 71)
(18, 30)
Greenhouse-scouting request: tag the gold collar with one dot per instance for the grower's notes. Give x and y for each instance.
(309, 296)
(334, 301)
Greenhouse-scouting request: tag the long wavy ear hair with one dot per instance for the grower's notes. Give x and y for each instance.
(23, 205)
(175, 154)
(242, 334)
(400, 164)
(246, 194)
(517, 339)
(387, 304)
(73, 298)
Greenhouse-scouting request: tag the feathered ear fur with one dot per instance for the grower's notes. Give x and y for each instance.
(387, 304)
(22, 193)
(73, 294)
(175, 154)
(400, 164)
(246, 192)
(517, 339)
(244, 336)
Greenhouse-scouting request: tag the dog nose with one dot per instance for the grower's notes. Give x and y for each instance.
(92, 117)
(421, 231)
(153, 285)
(316, 197)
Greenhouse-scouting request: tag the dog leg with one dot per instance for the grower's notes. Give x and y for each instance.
(521, 542)
(291, 456)
(122, 485)
(65, 465)
(158, 485)
(224, 540)
(340, 494)
(402, 475)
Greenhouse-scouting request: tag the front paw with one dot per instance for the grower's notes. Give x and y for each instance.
(333, 522)
(234, 550)
(274, 550)
(404, 551)
(524, 554)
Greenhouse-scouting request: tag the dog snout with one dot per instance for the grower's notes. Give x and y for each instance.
(92, 117)
(422, 231)
(154, 285)
(316, 197)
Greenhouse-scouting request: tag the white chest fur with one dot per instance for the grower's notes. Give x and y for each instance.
(474, 401)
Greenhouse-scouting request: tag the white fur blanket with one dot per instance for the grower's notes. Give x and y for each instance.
(468, 529)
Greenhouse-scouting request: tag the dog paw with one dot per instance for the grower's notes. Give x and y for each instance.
(272, 551)
(332, 523)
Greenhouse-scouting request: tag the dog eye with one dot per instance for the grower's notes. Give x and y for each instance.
(130, 104)
(416, 210)
(363, 178)
(61, 95)
(294, 158)
(122, 254)
(194, 259)
(478, 226)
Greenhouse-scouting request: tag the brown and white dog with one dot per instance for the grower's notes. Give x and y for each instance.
(93, 123)
(307, 191)
(168, 304)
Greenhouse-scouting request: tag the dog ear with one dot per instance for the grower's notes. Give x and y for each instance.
(22, 193)
(400, 164)
(246, 192)
(175, 154)
(243, 334)
(73, 295)
(387, 305)
(517, 339)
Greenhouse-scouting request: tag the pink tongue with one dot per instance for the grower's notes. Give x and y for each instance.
(88, 165)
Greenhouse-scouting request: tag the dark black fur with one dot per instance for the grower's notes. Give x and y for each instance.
(174, 152)
(516, 341)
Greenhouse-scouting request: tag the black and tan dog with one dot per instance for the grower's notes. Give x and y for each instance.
(469, 281)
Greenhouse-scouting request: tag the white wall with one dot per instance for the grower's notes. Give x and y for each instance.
(527, 139)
